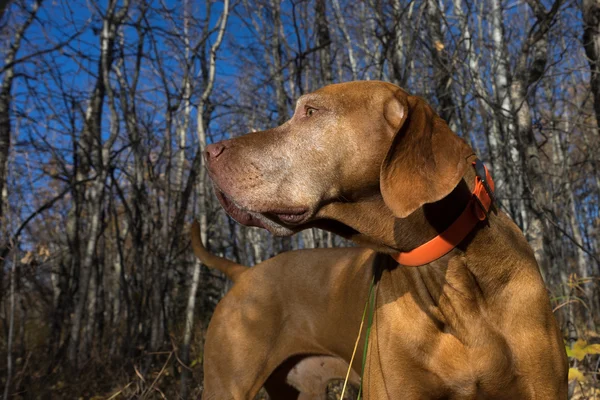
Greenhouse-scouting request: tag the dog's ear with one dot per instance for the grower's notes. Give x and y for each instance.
(426, 160)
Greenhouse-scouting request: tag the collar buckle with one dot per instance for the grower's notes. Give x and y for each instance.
(482, 174)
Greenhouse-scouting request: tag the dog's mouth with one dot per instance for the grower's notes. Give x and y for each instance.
(236, 212)
(285, 216)
(290, 216)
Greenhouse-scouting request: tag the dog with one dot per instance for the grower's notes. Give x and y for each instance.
(461, 310)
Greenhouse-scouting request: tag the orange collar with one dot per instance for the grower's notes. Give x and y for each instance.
(477, 210)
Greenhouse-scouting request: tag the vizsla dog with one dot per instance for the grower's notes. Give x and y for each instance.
(279, 300)
(377, 165)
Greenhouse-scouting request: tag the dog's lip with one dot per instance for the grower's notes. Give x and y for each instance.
(291, 216)
(236, 212)
(288, 215)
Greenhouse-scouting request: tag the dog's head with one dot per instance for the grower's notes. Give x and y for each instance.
(345, 143)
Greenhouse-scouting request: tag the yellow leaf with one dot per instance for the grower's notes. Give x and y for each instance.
(44, 252)
(580, 349)
(27, 258)
(593, 349)
(575, 374)
(439, 46)
(569, 352)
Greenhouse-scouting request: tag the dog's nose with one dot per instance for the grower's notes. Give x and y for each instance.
(214, 150)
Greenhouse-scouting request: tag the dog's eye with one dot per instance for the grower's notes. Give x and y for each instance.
(310, 111)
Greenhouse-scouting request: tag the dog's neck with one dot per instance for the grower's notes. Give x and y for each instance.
(369, 222)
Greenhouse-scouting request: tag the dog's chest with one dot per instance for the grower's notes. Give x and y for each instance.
(413, 353)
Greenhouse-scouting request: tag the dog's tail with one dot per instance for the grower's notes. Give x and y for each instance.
(231, 269)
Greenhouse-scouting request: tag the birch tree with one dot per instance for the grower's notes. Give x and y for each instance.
(99, 157)
(8, 77)
(442, 64)
(203, 115)
(529, 68)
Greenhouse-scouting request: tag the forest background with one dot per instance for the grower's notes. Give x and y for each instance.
(106, 106)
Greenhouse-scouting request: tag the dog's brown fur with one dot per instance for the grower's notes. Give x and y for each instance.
(241, 326)
(375, 164)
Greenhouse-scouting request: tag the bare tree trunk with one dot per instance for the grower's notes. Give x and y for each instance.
(527, 74)
(396, 43)
(256, 241)
(277, 63)
(95, 196)
(506, 152)
(591, 44)
(342, 24)
(92, 303)
(368, 42)
(442, 64)
(493, 133)
(99, 155)
(323, 41)
(202, 124)
(117, 313)
(187, 101)
(308, 238)
(5, 125)
(11, 329)
(5, 103)
(138, 208)
(582, 260)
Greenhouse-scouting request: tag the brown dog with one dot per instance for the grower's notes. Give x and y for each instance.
(250, 317)
(377, 165)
